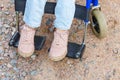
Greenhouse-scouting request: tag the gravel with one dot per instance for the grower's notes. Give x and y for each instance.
(6, 12)
(13, 55)
(1, 50)
(34, 72)
(24, 74)
(15, 67)
(13, 62)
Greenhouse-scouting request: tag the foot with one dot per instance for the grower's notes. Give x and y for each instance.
(26, 43)
(58, 48)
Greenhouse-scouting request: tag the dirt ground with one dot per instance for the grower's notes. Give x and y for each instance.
(101, 59)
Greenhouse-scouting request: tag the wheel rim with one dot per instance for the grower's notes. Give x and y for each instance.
(95, 24)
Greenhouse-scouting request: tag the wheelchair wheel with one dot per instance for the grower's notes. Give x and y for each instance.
(98, 23)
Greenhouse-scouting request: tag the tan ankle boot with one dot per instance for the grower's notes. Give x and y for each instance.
(26, 43)
(58, 48)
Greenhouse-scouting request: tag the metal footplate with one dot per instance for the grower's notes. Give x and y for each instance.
(75, 51)
(38, 41)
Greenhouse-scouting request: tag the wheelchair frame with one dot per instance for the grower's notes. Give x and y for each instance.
(81, 13)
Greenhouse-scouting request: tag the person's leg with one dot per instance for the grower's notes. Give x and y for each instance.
(64, 12)
(33, 15)
(33, 12)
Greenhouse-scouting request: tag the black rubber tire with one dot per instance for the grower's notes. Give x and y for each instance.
(98, 23)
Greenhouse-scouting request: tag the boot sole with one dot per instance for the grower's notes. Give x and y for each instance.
(25, 55)
(59, 57)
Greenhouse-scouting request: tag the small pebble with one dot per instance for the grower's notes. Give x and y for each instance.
(108, 76)
(22, 78)
(24, 74)
(0, 24)
(115, 51)
(6, 54)
(5, 78)
(13, 54)
(1, 67)
(3, 74)
(16, 69)
(33, 57)
(6, 12)
(34, 72)
(1, 58)
(9, 65)
(6, 25)
(3, 29)
(1, 50)
(13, 62)
(12, 1)
(68, 62)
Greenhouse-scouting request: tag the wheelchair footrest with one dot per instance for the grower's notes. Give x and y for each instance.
(75, 50)
(38, 41)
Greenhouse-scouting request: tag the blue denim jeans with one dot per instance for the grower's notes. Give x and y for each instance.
(64, 13)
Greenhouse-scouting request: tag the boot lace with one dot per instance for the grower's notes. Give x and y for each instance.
(27, 36)
(60, 38)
